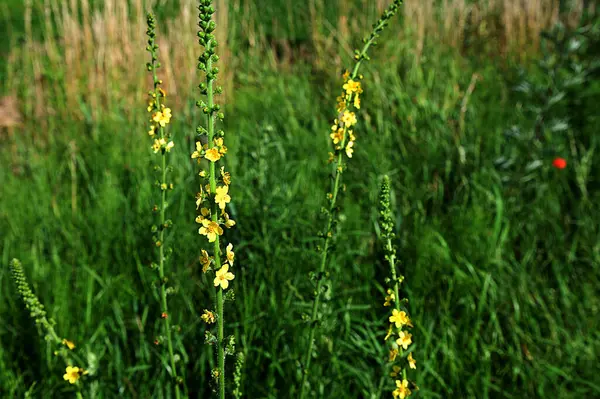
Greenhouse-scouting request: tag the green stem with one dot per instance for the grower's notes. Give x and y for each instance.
(217, 247)
(161, 265)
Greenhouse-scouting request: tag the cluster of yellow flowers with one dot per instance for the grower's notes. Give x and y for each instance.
(341, 133)
(398, 320)
(161, 116)
(211, 227)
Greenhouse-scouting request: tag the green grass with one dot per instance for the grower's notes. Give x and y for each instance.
(502, 266)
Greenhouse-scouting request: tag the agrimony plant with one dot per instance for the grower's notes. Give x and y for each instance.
(399, 319)
(64, 347)
(161, 145)
(213, 197)
(343, 138)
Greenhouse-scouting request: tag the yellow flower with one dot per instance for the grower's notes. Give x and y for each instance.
(404, 339)
(389, 298)
(210, 229)
(208, 317)
(400, 318)
(352, 87)
(150, 105)
(205, 261)
(337, 136)
(72, 374)
(223, 277)
(169, 145)
(229, 223)
(198, 152)
(222, 197)
(395, 371)
(157, 146)
(401, 390)
(341, 103)
(393, 354)
(218, 141)
(162, 117)
(162, 92)
(152, 131)
(346, 75)
(412, 363)
(389, 333)
(68, 343)
(349, 149)
(202, 173)
(213, 154)
(199, 199)
(349, 118)
(357, 101)
(230, 254)
(226, 176)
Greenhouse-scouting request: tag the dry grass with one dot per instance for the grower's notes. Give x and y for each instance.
(99, 60)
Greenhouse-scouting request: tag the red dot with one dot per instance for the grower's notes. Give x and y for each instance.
(559, 163)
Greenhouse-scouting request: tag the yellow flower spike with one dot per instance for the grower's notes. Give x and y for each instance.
(395, 371)
(404, 339)
(221, 197)
(412, 363)
(349, 118)
(72, 374)
(223, 277)
(230, 254)
(208, 317)
(210, 229)
(205, 261)
(400, 318)
(68, 344)
(401, 390)
(213, 154)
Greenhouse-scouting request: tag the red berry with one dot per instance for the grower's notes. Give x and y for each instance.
(559, 163)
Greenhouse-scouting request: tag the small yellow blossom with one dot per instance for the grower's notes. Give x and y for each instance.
(210, 229)
(213, 154)
(393, 354)
(230, 254)
(205, 261)
(223, 277)
(202, 173)
(208, 317)
(198, 152)
(412, 363)
(150, 105)
(349, 149)
(389, 333)
(229, 223)
(346, 75)
(405, 339)
(72, 374)
(341, 103)
(68, 344)
(226, 176)
(163, 186)
(222, 197)
(199, 198)
(349, 118)
(400, 318)
(162, 92)
(152, 131)
(169, 145)
(352, 86)
(395, 371)
(331, 158)
(401, 390)
(162, 117)
(337, 136)
(356, 101)
(390, 297)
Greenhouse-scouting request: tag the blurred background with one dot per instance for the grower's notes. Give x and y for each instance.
(466, 106)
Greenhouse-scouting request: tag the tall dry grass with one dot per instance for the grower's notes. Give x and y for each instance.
(87, 59)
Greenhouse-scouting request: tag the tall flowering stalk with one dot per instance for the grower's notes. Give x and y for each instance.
(161, 145)
(213, 197)
(399, 319)
(38, 314)
(343, 138)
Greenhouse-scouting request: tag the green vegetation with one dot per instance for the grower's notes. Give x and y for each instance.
(499, 249)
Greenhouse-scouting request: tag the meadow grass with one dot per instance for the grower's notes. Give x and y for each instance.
(502, 265)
